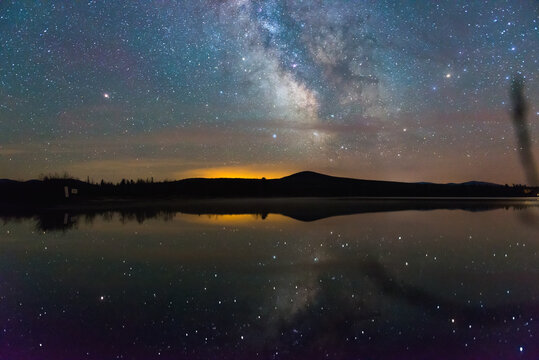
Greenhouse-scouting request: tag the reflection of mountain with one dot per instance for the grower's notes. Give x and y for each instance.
(252, 290)
(65, 216)
(303, 184)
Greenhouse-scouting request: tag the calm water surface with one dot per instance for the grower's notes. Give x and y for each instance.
(439, 284)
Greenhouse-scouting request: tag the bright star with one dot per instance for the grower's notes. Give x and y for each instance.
(106, 95)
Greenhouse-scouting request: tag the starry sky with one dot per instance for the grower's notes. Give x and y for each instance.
(406, 91)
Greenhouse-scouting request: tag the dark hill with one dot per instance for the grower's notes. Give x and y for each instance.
(309, 176)
(302, 184)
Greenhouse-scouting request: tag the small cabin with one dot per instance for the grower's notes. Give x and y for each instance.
(68, 191)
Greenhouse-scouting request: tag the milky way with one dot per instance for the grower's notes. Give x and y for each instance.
(406, 91)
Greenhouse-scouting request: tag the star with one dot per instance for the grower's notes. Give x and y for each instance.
(347, 69)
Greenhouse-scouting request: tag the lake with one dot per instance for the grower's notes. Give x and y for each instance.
(400, 284)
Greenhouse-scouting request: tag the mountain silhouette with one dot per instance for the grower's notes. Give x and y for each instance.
(301, 184)
(309, 176)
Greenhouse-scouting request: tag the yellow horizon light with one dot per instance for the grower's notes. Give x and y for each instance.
(232, 172)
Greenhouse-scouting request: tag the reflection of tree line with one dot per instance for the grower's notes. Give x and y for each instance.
(59, 219)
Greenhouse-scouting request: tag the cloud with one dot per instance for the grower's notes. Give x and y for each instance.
(10, 151)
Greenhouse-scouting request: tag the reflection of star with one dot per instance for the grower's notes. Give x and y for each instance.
(106, 95)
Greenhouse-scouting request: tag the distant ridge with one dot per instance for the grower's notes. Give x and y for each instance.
(301, 184)
(309, 175)
(314, 176)
(481, 183)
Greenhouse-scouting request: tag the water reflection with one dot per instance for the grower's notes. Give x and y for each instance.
(412, 284)
(303, 209)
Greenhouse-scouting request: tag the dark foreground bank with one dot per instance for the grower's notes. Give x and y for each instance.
(303, 184)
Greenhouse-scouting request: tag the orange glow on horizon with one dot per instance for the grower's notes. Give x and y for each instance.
(235, 172)
(232, 219)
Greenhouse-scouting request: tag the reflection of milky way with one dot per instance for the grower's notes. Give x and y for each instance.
(376, 89)
(397, 285)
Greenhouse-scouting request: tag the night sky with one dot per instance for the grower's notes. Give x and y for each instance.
(407, 91)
